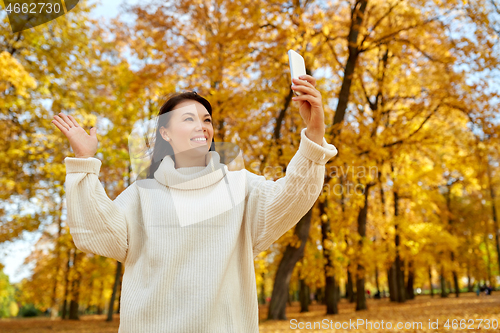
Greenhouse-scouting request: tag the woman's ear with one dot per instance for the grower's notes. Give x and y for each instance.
(163, 132)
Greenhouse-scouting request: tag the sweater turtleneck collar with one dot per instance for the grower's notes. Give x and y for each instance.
(191, 178)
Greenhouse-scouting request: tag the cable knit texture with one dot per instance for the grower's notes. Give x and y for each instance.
(189, 236)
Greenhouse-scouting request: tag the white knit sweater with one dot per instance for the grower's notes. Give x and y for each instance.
(188, 237)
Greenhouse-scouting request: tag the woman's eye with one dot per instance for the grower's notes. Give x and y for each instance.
(209, 120)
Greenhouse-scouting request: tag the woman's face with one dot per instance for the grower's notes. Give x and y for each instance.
(190, 119)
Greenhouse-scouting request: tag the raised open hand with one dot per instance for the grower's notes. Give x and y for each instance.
(83, 145)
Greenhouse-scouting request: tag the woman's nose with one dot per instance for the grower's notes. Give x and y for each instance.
(201, 125)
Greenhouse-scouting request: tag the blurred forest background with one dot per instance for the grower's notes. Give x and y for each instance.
(411, 97)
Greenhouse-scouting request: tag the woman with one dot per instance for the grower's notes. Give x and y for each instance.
(188, 234)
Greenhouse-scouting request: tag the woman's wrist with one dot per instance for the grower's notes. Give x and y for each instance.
(315, 135)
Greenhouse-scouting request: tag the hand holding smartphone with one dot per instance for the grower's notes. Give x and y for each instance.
(297, 67)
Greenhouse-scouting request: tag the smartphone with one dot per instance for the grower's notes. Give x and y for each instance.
(297, 67)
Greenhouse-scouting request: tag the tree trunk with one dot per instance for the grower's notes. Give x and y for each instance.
(349, 289)
(277, 306)
(263, 289)
(488, 255)
(115, 289)
(400, 280)
(443, 283)
(455, 277)
(320, 295)
(469, 282)
(101, 295)
(494, 212)
(450, 226)
(75, 288)
(119, 296)
(455, 283)
(360, 293)
(376, 281)
(357, 14)
(66, 286)
(120, 291)
(350, 286)
(304, 296)
(360, 276)
(430, 282)
(411, 278)
(330, 297)
(391, 279)
(54, 307)
(399, 266)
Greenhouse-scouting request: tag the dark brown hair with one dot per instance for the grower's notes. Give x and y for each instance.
(161, 147)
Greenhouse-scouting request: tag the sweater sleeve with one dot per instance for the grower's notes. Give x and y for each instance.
(274, 207)
(97, 224)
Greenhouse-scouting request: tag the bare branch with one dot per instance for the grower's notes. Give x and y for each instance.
(379, 21)
(332, 49)
(388, 37)
(428, 56)
(416, 131)
(373, 106)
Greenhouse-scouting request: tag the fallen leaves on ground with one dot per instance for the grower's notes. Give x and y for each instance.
(467, 307)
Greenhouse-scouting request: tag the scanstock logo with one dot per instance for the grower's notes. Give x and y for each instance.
(26, 14)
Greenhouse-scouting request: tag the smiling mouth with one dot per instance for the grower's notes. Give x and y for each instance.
(199, 141)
